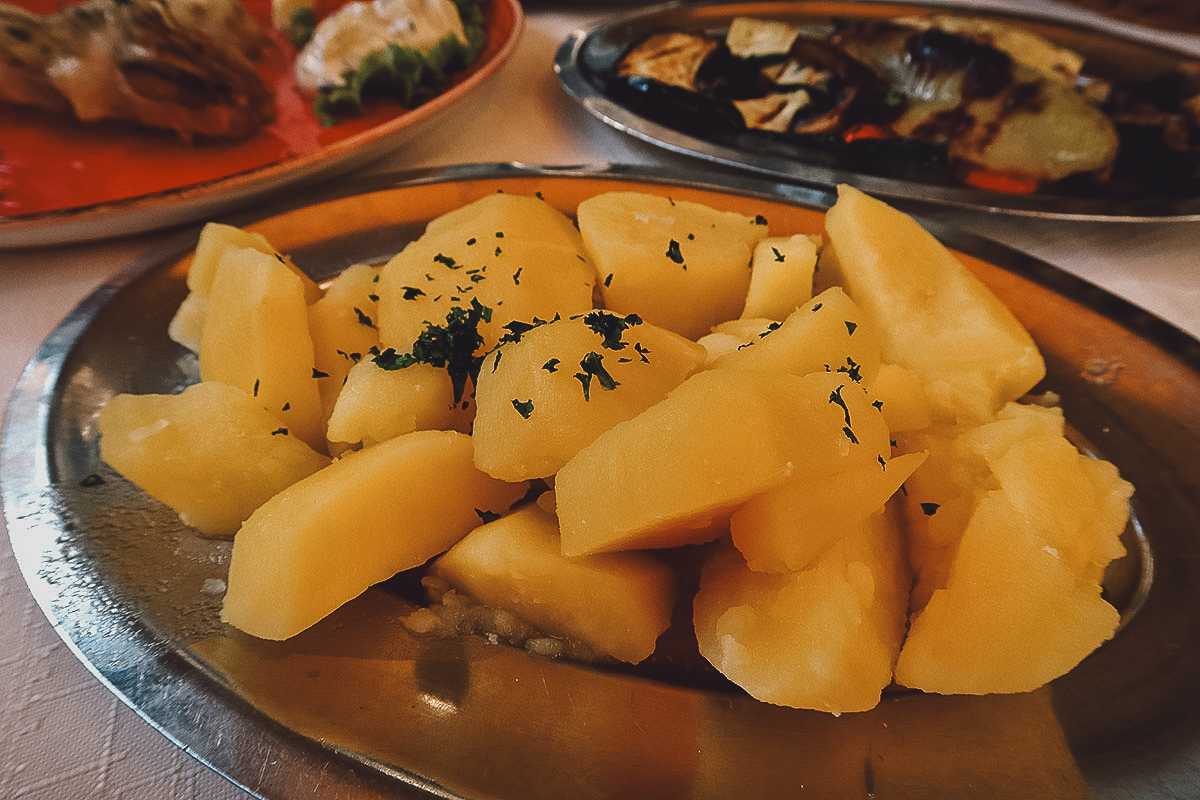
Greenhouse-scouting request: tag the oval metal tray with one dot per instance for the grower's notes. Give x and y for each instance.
(358, 708)
(586, 57)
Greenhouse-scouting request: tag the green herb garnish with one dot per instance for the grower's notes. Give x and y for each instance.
(610, 327)
(594, 368)
(404, 73)
(451, 346)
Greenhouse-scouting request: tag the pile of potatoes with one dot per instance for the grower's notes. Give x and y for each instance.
(531, 406)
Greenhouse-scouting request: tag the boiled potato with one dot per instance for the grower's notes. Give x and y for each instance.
(617, 604)
(256, 338)
(824, 638)
(516, 256)
(1017, 600)
(344, 329)
(377, 404)
(543, 397)
(187, 326)
(789, 527)
(681, 265)
(902, 398)
(781, 276)
(828, 334)
(933, 316)
(727, 389)
(674, 473)
(212, 452)
(324, 540)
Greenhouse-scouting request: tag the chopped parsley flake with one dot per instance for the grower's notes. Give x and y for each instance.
(877, 405)
(411, 292)
(447, 261)
(363, 319)
(594, 368)
(759, 219)
(835, 397)
(525, 409)
(316, 373)
(779, 257)
(610, 327)
(280, 432)
(674, 253)
(850, 327)
(517, 329)
(451, 346)
(817, 307)
(517, 276)
(608, 280)
(929, 509)
(852, 370)
(551, 365)
(256, 382)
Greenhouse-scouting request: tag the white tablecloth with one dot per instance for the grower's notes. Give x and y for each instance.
(62, 735)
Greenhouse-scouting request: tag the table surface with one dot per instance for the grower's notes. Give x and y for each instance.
(63, 735)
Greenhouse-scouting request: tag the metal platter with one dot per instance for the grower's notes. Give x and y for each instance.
(1112, 51)
(356, 707)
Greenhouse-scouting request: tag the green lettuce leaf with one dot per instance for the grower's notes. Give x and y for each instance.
(404, 73)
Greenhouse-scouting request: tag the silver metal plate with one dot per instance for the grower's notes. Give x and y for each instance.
(358, 708)
(585, 58)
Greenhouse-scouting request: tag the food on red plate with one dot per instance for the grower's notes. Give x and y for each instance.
(182, 65)
(403, 49)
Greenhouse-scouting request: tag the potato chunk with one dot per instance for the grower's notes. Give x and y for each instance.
(781, 276)
(828, 334)
(326, 539)
(791, 526)
(543, 397)
(674, 473)
(211, 453)
(1014, 600)
(825, 638)
(344, 328)
(517, 256)
(256, 338)
(378, 404)
(681, 265)
(616, 604)
(932, 314)
(187, 325)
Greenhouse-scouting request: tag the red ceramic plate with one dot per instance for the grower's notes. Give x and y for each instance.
(63, 181)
